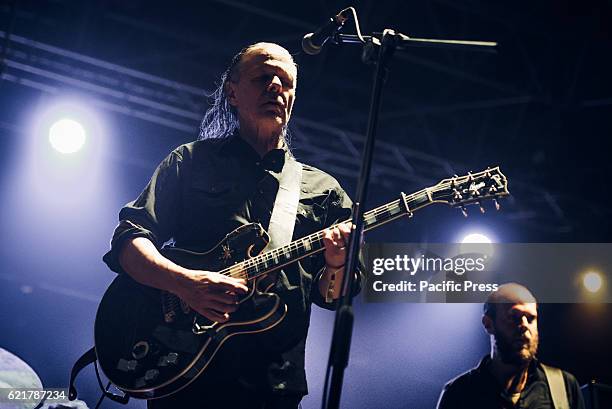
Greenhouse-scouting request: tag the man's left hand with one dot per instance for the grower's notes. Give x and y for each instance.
(335, 240)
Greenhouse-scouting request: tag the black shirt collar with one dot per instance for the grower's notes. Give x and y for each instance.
(273, 160)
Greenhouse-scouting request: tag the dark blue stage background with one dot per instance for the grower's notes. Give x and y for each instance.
(135, 74)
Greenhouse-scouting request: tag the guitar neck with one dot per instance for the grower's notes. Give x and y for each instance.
(312, 244)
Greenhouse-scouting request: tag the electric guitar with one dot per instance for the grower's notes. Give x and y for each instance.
(151, 344)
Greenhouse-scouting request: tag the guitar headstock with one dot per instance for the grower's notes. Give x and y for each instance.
(472, 188)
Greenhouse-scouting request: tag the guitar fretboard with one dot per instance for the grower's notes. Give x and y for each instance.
(312, 244)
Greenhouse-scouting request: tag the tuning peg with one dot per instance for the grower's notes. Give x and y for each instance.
(497, 206)
(464, 211)
(482, 209)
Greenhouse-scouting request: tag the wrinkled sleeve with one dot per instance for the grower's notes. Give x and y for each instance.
(339, 210)
(153, 214)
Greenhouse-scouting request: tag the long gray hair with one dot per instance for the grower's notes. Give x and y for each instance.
(221, 119)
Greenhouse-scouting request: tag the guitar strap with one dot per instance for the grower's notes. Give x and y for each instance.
(282, 221)
(84, 360)
(554, 378)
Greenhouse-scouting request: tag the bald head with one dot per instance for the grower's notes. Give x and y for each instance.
(269, 49)
(258, 53)
(511, 293)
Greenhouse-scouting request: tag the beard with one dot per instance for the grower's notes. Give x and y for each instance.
(514, 354)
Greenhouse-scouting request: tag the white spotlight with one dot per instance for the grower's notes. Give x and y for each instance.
(592, 281)
(476, 243)
(67, 136)
(476, 238)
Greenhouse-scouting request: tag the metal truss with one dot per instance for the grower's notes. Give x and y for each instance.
(179, 106)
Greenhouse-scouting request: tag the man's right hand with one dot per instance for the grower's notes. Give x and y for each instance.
(211, 294)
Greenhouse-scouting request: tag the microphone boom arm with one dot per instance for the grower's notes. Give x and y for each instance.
(404, 41)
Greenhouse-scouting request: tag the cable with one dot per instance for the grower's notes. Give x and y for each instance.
(356, 21)
(116, 398)
(104, 390)
(102, 397)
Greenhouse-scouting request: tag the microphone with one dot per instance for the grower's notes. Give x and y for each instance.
(312, 43)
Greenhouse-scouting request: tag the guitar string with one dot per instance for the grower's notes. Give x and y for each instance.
(317, 237)
(298, 244)
(302, 243)
(294, 246)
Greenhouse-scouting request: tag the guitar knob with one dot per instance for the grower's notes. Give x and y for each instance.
(464, 211)
(127, 366)
(497, 206)
(151, 374)
(170, 359)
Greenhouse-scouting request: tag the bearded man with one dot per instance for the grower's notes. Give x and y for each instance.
(511, 377)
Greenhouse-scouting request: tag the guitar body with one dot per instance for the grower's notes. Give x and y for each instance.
(150, 344)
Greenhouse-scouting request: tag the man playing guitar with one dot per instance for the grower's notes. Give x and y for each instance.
(205, 189)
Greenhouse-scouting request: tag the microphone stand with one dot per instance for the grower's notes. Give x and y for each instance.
(378, 50)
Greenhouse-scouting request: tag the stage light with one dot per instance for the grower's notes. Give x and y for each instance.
(67, 136)
(476, 242)
(65, 153)
(592, 281)
(476, 238)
